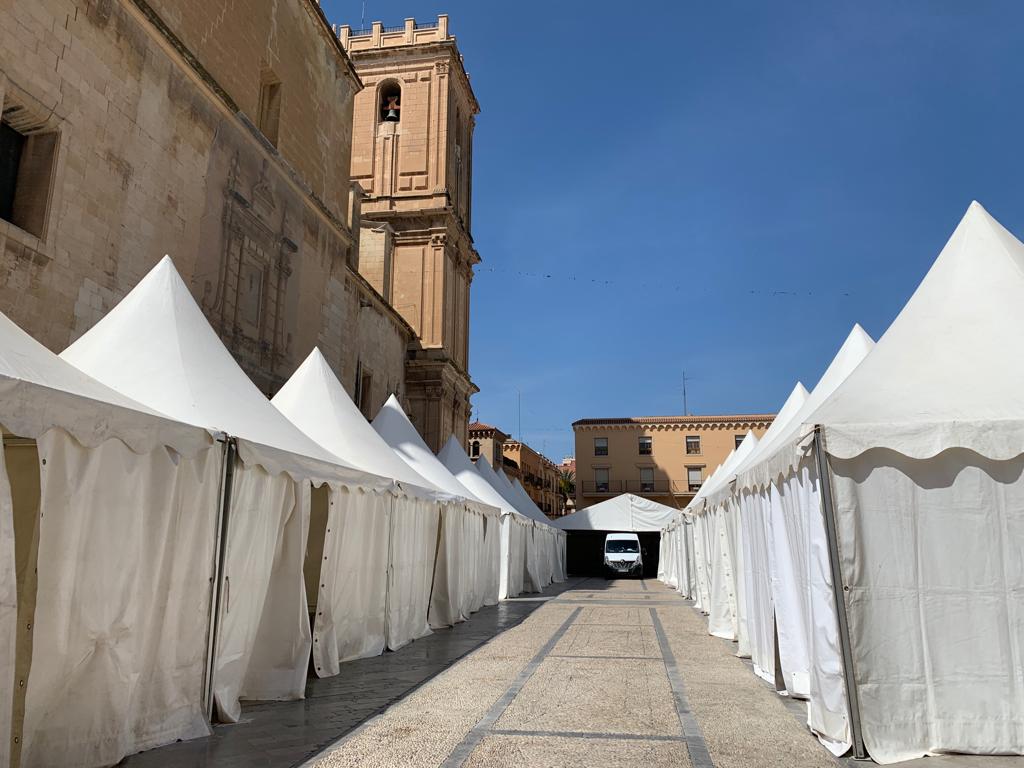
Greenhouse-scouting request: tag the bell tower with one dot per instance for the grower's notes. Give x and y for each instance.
(412, 149)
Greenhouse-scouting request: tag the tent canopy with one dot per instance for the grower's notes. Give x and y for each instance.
(40, 391)
(780, 423)
(315, 401)
(719, 484)
(156, 346)
(521, 501)
(623, 513)
(909, 397)
(779, 455)
(459, 464)
(398, 432)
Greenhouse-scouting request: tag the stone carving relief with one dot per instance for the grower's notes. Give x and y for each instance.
(247, 306)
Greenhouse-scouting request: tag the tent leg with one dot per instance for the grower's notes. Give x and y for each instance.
(220, 562)
(389, 574)
(838, 589)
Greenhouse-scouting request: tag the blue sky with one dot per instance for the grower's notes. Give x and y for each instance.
(719, 187)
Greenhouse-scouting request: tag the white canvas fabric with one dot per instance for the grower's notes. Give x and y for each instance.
(781, 423)
(351, 611)
(156, 347)
(120, 625)
(264, 639)
(782, 455)
(8, 611)
(927, 466)
(39, 391)
(532, 581)
(315, 401)
(399, 594)
(450, 595)
(513, 525)
(626, 513)
(414, 533)
(906, 397)
(398, 432)
(113, 447)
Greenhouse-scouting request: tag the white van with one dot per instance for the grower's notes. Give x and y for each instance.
(622, 556)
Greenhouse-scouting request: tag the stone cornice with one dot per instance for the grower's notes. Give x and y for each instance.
(447, 48)
(676, 422)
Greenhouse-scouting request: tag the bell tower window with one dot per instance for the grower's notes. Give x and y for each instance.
(390, 102)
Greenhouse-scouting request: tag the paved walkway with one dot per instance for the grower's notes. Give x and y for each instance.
(285, 734)
(619, 673)
(595, 672)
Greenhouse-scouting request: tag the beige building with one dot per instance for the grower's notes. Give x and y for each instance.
(135, 128)
(412, 154)
(664, 458)
(537, 473)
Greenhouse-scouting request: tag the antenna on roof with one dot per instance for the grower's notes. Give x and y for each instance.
(362, 17)
(686, 409)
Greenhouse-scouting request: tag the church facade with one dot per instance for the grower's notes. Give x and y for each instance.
(137, 128)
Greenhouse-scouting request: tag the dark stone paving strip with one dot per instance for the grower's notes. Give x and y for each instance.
(472, 739)
(698, 749)
(612, 658)
(643, 585)
(588, 735)
(643, 603)
(285, 734)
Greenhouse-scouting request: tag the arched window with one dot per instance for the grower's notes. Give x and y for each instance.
(390, 106)
(474, 449)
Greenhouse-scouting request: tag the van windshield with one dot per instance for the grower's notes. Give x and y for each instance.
(621, 545)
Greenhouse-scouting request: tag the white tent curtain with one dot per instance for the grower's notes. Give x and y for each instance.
(264, 638)
(414, 532)
(931, 554)
(490, 558)
(446, 598)
(351, 615)
(125, 558)
(8, 611)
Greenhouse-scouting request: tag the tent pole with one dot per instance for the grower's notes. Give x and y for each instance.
(839, 590)
(390, 573)
(227, 476)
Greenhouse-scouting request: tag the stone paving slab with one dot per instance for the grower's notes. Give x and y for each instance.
(595, 696)
(507, 751)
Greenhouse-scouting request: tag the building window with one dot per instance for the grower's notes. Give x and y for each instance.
(269, 121)
(646, 479)
(601, 480)
(390, 102)
(600, 446)
(364, 387)
(27, 154)
(694, 478)
(474, 449)
(645, 445)
(692, 445)
(739, 440)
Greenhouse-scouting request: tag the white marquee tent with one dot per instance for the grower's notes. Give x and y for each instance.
(156, 347)
(889, 505)
(924, 457)
(514, 526)
(107, 520)
(377, 593)
(626, 513)
(471, 542)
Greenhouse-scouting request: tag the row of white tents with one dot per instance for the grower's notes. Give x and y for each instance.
(867, 552)
(172, 542)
